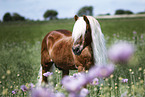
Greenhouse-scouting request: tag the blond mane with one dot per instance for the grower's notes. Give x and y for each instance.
(98, 41)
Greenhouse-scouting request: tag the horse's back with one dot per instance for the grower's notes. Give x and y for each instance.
(52, 37)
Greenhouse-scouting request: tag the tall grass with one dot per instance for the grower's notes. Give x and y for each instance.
(20, 45)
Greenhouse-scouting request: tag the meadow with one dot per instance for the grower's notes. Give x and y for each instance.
(20, 46)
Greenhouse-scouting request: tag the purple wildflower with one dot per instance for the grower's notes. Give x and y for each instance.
(47, 74)
(114, 34)
(31, 86)
(24, 88)
(74, 84)
(100, 71)
(42, 92)
(124, 80)
(95, 81)
(84, 92)
(15, 91)
(76, 75)
(59, 95)
(134, 32)
(74, 95)
(120, 52)
(141, 36)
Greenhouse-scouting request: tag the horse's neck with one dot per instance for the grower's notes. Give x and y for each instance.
(91, 51)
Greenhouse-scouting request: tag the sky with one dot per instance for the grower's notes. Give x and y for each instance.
(34, 9)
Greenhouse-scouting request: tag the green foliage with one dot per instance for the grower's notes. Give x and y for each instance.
(14, 17)
(121, 11)
(141, 12)
(17, 17)
(86, 10)
(51, 14)
(7, 17)
(128, 12)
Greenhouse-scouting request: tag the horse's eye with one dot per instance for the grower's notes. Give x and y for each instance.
(86, 31)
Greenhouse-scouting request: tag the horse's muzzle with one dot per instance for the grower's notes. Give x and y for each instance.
(76, 50)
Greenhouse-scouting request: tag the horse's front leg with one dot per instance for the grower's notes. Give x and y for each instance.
(81, 68)
(65, 72)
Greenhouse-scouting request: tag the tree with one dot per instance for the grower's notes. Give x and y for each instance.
(86, 10)
(128, 12)
(7, 17)
(119, 11)
(17, 17)
(51, 14)
(141, 12)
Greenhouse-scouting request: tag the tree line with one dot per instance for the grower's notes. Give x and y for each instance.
(12, 17)
(52, 14)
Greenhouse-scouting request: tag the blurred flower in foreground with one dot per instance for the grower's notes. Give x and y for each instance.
(24, 88)
(84, 92)
(72, 84)
(120, 52)
(73, 95)
(100, 71)
(42, 92)
(47, 74)
(124, 80)
(59, 95)
(95, 81)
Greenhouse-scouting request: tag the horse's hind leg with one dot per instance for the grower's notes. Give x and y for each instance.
(46, 63)
(46, 67)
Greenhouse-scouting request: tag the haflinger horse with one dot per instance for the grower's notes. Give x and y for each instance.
(79, 50)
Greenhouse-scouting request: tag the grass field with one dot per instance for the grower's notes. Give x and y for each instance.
(20, 44)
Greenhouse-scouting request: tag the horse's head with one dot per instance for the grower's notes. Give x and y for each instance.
(81, 34)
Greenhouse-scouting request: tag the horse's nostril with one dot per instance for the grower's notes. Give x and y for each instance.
(77, 48)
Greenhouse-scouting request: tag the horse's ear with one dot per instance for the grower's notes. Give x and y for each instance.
(86, 19)
(76, 17)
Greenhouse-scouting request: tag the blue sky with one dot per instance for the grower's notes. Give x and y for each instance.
(34, 9)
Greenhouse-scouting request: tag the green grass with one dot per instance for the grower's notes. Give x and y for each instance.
(20, 44)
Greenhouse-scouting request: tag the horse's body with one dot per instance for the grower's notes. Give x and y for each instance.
(68, 52)
(57, 48)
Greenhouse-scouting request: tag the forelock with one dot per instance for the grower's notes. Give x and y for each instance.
(79, 29)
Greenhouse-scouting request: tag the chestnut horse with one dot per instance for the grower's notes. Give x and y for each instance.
(80, 50)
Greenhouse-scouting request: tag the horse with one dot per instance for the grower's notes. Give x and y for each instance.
(79, 50)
